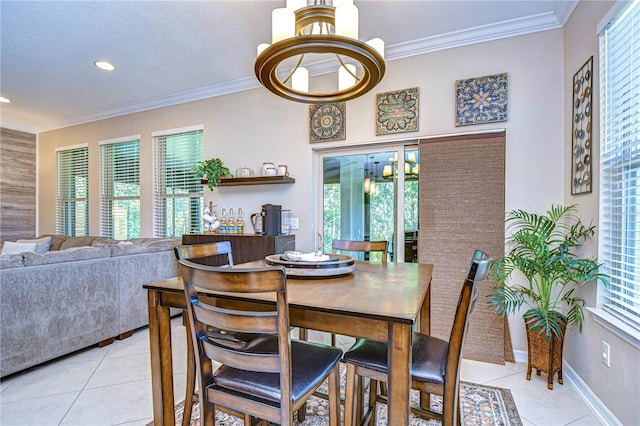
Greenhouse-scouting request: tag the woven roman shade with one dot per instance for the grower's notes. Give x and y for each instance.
(462, 209)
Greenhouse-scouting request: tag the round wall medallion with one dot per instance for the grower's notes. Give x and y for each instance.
(327, 122)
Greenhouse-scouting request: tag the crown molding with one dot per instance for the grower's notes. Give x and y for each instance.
(481, 34)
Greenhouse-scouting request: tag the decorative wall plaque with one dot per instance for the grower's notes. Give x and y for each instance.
(482, 100)
(397, 112)
(327, 122)
(581, 136)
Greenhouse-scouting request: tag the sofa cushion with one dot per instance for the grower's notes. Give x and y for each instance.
(124, 249)
(161, 244)
(56, 240)
(77, 242)
(11, 247)
(69, 255)
(103, 241)
(8, 261)
(42, 244)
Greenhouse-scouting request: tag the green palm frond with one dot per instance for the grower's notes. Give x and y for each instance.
(540, 246)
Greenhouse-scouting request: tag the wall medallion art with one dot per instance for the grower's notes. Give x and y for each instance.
(327, 122)
(397, 112)
(482, 100)
(581, 136)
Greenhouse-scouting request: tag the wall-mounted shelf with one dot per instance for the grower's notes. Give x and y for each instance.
(255, 180)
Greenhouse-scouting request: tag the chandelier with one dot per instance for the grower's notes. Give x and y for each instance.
(411, 168)
(318, 29)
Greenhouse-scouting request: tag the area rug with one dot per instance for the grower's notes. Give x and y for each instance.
(480, 405)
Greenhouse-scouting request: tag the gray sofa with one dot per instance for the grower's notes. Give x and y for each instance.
(83, 291)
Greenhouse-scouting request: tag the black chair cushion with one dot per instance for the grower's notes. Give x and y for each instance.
(428, 354)
(310, 363)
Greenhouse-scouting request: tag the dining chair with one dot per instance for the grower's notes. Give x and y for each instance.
(272, 376)
(435, 366)
(203, 253)
(359, 246)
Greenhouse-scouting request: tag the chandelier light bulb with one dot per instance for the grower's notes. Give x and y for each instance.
(378, 44)
(346, 79)
(283, 22)
(262, 46)
(347, 20)
(296, 4)
(300, 80)
(337, 3)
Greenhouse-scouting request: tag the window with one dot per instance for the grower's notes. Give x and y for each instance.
(620, 164)
(178, 202)
(120, 188)
(72, 191)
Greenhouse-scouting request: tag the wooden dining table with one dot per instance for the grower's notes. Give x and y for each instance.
(378, 302)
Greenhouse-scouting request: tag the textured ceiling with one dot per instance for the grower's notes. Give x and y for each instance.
(167, 52)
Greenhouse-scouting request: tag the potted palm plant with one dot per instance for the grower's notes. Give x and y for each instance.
(541, 248)
(210, 171)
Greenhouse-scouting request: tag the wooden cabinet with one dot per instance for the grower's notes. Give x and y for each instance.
(246, 247)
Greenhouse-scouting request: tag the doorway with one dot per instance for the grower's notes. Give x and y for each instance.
(360, 200)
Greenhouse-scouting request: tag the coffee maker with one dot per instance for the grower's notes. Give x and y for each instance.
(271, 218)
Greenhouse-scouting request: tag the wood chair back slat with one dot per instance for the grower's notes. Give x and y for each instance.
(207, 250)
(361, 246)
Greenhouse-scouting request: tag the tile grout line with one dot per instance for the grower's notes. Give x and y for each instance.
(83, 387)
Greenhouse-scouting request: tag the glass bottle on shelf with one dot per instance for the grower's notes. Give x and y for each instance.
(231, 223)
(223, 222)
(240, 223)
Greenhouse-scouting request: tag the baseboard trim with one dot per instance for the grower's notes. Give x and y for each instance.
(520, 356)
(591, 399)
(588, 396)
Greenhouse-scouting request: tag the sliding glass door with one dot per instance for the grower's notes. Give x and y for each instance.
(360, 199)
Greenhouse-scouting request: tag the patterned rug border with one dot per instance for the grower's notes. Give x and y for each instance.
(508, 406)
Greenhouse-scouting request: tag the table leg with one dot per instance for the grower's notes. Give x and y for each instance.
(161, 362)
(399, 354)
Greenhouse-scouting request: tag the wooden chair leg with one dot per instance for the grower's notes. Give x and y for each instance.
(373, 401)
(334, 397)
(333, 339)
(349, 395)
(359, 396)
(191, 380)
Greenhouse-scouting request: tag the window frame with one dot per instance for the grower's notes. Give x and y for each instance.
(107, 173)
(160, 182)
(76, 167)
(619, 169)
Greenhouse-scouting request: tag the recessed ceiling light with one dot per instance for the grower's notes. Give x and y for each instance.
(104, 65)
(4, 100)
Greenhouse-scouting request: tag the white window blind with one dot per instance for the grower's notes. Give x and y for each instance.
(120, 189)
(620, 163)
(72, 191)
(178, 202)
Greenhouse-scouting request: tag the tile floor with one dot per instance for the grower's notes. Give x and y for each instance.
(112, 386)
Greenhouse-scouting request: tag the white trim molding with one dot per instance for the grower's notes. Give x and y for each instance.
(591, 399)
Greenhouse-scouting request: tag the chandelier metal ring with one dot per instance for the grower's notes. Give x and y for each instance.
(372, 62)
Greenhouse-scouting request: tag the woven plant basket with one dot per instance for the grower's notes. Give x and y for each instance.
(545, 355)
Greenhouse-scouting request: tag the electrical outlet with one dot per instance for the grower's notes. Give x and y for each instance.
(295, 223)
(605, 354)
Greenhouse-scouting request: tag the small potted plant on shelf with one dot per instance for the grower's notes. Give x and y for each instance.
(210, 171)
(541, 247)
